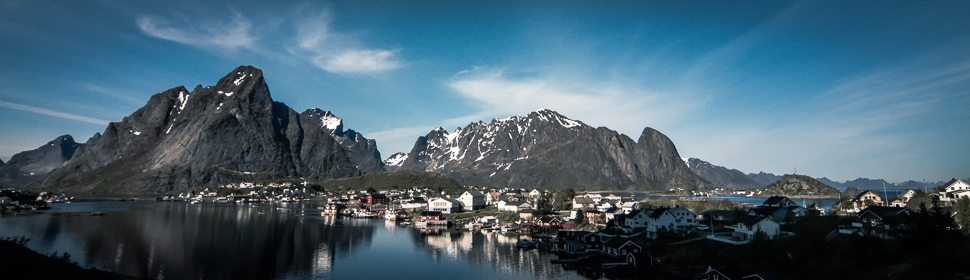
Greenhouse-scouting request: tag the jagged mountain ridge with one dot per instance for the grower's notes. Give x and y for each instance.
(547, 150)
(361, 151)
(721, 177)
(227, 133)
(27, 166)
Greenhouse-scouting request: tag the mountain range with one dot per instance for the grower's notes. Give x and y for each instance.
(722, 177)
(235, 132)
(547, 150)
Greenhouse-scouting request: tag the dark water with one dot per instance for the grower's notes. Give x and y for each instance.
(229, 241)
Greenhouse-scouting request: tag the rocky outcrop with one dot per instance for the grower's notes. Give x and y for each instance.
(721, 177)
(800, 186)
(362, 152)
(227, 133)
(548, 150)
(27, 166)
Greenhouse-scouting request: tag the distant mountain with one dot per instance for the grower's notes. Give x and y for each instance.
(1, 162)
(800, 186)
(27, 166)
(722, 177)
(361, 151)
(228, 133)
(764, 178)
(394, 161)
(547, 150)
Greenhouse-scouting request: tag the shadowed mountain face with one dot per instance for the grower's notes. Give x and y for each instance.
(722, 177)
(216, 135)
(27, 166)
(548, 150)
(361, 151)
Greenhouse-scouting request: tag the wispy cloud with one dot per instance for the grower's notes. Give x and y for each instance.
(622, 107)
(337, 52)
(227, 35)
(360, 61)
(872, 121)
(52, 113)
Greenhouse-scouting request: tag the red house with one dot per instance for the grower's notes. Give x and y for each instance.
(431, 216)
(376, 198)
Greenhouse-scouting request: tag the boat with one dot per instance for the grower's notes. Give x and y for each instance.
(525, 243)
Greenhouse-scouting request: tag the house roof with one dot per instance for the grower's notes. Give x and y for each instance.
(753, 220)
(952, 182)
(475, 193)
(514, 203)
(574, 242)
(882, 211)
(583, 200)
(617, 242)
(378, 195)
(658, 213)
(774, 200)
(863, 193)
(766, 210)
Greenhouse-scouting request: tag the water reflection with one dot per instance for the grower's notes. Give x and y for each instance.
(230, 241)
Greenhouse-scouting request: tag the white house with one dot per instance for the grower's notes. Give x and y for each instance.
(535, 193)
(628, 207)
(954, 190)
(444, 205)
(472, 200)
(683, 217)
(513, 206)
(751, 225)
(637, 219)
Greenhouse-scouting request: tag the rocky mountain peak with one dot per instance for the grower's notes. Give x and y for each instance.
(27, 166)
(547, 149)
(396, 159)
(325, 120)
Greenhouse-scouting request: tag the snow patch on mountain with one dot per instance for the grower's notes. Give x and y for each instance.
(396, 159)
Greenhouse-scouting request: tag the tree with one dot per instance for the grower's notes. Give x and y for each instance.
(580, 217)
(543, 206)
(565, 198)
(919, 198)
(962, 209)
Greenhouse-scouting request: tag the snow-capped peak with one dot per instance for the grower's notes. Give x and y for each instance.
(331, 122)
(396, 159)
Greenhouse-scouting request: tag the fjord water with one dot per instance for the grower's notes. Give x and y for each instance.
(265, 241)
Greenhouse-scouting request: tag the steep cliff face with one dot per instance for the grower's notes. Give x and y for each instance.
(548, 150)
(722, 177)
(227, 133)
(27, 166)
(362, 152)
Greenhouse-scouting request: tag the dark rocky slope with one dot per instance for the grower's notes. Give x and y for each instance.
(227, 133)
(27, 166)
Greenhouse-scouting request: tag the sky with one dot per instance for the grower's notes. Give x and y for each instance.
(836, 89)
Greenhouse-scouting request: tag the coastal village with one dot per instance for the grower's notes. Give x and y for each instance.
(600, 234)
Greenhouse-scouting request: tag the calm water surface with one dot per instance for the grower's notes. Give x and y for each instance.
(266, 241)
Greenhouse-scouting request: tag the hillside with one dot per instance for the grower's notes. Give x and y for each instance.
(799, 186)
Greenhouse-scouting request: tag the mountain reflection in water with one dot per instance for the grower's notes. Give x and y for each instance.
(265, 241)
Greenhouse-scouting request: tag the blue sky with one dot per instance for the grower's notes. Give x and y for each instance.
(840, 89)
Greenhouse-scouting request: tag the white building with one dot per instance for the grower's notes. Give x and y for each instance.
(472, 200)
(445, 205)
